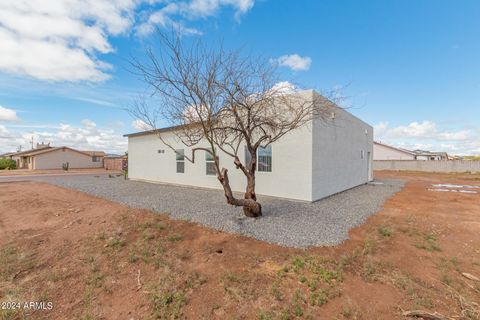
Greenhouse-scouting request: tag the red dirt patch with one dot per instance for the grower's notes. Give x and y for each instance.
(98, 260)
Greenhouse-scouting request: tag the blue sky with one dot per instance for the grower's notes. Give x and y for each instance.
(410, 68)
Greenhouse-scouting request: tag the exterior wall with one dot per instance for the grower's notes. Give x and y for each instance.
(21, 162)
(55, 159)
(114, 163)
(381, 152)
(337, 154)
(290, 176)
(31, 162)
(17, 161)
(429, 166)
(320, 159)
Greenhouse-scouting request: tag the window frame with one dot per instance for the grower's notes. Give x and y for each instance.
(209, 160)
(179, 159)
(247, 157)
(270, 164)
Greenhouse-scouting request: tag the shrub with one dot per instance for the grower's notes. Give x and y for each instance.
(7, 164)
(385, 231)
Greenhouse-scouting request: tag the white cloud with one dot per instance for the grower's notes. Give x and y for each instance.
(283, 87)
(88, 136)
(57, 40)
(427, 135)
(141, 125)
(380, 128)
(294, 62)
(8, 114)
(174, 14)
(3, 129)
(98, 102)
(89, 124)
(415, 129)
(60, 40)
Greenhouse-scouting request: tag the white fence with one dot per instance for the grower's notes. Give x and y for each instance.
(428, 166)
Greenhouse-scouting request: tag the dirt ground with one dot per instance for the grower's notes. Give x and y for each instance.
(93, 259)
(27, 172)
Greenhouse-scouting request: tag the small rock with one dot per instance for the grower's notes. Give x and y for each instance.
(68, 225)
(470, 276)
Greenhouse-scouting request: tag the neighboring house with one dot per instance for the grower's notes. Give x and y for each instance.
(97, 156)
(324, 157)
(19, 158)
(457, 158)
(428, 155)
(54, 158)
(115, 162)
(7, 155)
(385, 152)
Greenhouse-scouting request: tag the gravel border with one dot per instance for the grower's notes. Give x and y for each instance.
(284, 222)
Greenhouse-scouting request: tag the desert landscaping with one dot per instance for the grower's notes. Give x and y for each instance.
(95, 259)
(239, 159)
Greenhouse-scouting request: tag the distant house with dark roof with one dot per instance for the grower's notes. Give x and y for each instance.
(47, 157)
(430, 155)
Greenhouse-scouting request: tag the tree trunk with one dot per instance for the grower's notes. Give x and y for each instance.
(250, 194)
(251, 207)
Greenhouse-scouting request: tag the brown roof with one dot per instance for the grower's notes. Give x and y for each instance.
(50, 149)
(8, 154)
(21, 153)
(95, 153)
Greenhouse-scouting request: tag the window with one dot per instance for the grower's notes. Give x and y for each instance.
(210, 164)
(265, 159)
(180, 157)
(95, 159)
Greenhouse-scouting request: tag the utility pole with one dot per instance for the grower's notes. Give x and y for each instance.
(32, 142)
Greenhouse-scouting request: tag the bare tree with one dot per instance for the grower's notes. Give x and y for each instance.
(224, 99)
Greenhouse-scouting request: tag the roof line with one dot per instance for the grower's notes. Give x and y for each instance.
(172, 128)
(33, 153)
(395, 148)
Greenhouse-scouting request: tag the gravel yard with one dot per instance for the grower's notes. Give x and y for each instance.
(284, 222)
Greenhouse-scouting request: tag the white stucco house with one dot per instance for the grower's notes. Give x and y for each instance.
(322, 158)
(383, 151)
